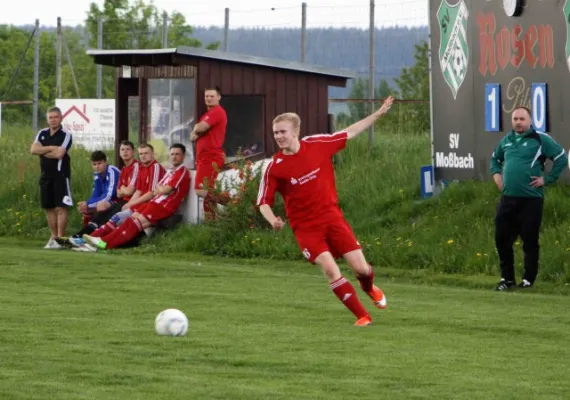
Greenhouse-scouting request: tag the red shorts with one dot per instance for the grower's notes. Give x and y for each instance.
(336, 237)
(154, 212)
(207, 170)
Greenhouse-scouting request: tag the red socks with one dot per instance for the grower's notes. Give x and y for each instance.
(85, 218)
(104, 230)
(366, 282)
(345, 292)
(124, 234)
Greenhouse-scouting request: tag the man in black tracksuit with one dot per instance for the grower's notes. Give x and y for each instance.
(517, 166)
(52, 145)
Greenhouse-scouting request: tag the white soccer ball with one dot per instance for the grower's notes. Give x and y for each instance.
(171, 322)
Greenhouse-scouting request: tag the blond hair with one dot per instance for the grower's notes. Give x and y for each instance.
(291, 117)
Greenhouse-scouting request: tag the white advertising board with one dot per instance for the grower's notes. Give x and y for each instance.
(90, 121)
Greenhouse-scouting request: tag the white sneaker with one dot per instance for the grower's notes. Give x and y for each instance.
(53, 245)
(85, 248)
(75, 242)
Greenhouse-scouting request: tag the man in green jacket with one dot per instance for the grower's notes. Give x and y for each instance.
(517, 166)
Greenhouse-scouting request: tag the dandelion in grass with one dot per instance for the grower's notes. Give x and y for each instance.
(450, 241)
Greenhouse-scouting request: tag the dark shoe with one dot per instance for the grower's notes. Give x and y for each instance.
(505, 285)
(63, 242)
(525, 284)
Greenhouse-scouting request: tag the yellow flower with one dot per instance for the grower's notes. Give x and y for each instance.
(450, 241)
(410, 244)
(478, 254)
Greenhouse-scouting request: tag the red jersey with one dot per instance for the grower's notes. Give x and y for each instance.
(305, 180)
(129, 176)
(212, 142)
(149, 176)
(179, 180)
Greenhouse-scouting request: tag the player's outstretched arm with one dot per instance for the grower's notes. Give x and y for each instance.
(358, 127)
(276, 222)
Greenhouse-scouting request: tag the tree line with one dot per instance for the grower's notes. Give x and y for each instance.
(139, 24)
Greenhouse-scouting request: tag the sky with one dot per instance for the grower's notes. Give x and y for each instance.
(243, 13)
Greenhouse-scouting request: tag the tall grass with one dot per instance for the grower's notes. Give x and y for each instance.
(20, 213)
(379, 191)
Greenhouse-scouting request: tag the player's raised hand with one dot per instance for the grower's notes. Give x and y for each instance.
(278, 224)
(386, 105)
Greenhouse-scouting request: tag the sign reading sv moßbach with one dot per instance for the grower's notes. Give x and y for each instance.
(488, 57)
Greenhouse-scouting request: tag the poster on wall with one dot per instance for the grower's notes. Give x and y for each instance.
(90, 121)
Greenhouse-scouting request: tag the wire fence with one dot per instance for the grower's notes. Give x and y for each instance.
(329, 33)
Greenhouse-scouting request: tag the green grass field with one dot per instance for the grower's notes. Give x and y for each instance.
(80, 326)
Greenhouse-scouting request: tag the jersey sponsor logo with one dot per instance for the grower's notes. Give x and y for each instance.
(306, 178)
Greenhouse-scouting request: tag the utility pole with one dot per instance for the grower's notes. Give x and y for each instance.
(68, 56)
(165, 30)
(58, 60)
(36, 77)
(170, 79)
(100, 67)
(371, 72)
(226, 29)
(303, 31)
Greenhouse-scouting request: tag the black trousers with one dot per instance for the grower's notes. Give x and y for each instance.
(518, 216)
(101, 217)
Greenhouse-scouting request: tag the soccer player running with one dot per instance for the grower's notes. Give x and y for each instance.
(302, 172)
(209, 134)
(52, 145)
(127, 186)
(169, 194)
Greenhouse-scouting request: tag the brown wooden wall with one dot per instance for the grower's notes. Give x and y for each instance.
(284, 91)
(123, 89)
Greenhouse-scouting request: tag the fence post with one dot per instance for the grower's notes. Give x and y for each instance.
(36, 77)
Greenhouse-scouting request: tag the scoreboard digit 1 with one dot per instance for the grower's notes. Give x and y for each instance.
(492, 107)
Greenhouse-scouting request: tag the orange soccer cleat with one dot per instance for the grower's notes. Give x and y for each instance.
(364, 321)
(378, 297)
